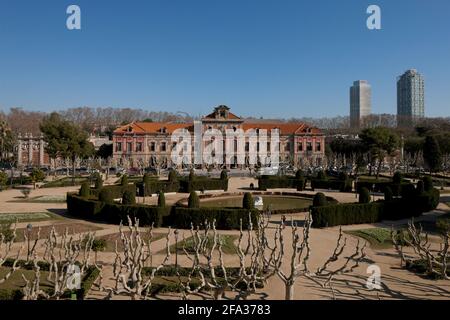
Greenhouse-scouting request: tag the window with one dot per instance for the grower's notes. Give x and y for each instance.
(300, 146)
(118, 146)
(318, 146)
(268, 146)
(163, 147)
(129, 146)
(287, 147)
(174, 145)
(247, 146)
(138, 146)
(152, 146)
(309, 146)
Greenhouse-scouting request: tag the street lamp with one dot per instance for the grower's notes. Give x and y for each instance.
(373, 192)
(29, 229)
(176, 248)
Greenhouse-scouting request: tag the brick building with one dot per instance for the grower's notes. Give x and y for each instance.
(146, 143)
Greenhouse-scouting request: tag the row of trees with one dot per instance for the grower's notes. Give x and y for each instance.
(427, 146)
(92, 120)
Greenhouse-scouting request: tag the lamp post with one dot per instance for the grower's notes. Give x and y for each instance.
(176, 248)
(373, 192)
(29, 229)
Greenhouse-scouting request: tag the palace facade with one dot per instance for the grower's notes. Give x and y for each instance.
(144, 144)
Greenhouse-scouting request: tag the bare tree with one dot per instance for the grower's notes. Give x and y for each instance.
(6, 245)
(128, 266)
(436, 260)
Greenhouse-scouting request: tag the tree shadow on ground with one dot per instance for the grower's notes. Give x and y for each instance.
(355, 288)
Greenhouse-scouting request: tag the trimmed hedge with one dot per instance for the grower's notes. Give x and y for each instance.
(154, 186)
(356, 213)
(273, 182)
(177, 217)
(116, 191)
(226, 218)
(202, 184)
(332, 184)
(380, 186)
(114, 213)
(346, 213)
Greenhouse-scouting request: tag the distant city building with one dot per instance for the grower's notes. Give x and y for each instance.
(410, 98)
(360, 102)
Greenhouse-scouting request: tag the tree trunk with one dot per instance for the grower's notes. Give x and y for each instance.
(73, 171)
(379, 168)
(289, 292)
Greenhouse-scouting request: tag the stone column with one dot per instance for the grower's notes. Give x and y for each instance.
(19, 151)
(41, 151)
(30, 149)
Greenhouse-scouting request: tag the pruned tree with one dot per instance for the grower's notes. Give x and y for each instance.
(68, 257)
(6, 243)
(128, 267)
(436, 260)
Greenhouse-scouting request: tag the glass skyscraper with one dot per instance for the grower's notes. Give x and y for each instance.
(360, 102)
(410, 98)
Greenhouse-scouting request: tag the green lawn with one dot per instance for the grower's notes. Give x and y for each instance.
(378, 238)
(27, 217)
(42, 199)
(228, 246)
(65, 182)
(15, 281)
(112, 238)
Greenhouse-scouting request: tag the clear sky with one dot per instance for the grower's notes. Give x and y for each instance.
(274, 58)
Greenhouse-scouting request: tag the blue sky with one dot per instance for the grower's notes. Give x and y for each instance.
(274, 58)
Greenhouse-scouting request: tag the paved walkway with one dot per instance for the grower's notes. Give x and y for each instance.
(399, 284)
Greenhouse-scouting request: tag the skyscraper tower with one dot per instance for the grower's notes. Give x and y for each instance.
(410, 98)
(360, 102)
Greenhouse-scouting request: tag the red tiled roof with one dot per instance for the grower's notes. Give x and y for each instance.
(152, 127)
(285, 128)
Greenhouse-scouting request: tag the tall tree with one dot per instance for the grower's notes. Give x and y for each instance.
(65, 139)
(380, 142)
(7, 143)
(432, 154)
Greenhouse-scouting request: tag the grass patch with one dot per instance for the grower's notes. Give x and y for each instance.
(65, 182)
(73, 228)
(16, 282)
(112, 238)
(228, 246)
(378, 238)
(27, 217)
(42, 199)
(167, 280)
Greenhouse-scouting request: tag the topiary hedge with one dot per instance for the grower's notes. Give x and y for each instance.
(177, 217)
(154, 186)
(380, 186)
(113, 212)
(202, 184)
(273, 182)
(226, 218)
(357, 213)
(332, 184)
(116, 191)
(346, 213)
